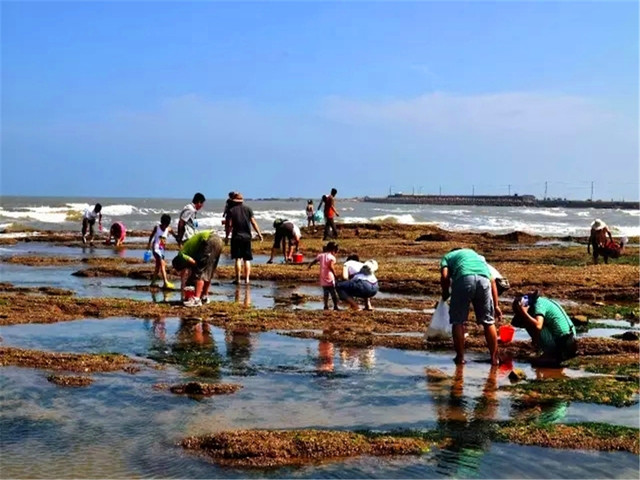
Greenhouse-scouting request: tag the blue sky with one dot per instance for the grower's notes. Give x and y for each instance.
(282, 99)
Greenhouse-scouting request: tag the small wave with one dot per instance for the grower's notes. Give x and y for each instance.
(453, 212)
(353, 220)
(542, 211)
(118, 210)
(406, 219)
(583, 214)
(40, 214)
(633, 213)
(19, 234)
(271, 215)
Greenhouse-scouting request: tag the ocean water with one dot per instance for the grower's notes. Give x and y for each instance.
(120, 427)
(60, 213)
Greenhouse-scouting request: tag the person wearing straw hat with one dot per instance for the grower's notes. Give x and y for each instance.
(600, 245)
(239, 221)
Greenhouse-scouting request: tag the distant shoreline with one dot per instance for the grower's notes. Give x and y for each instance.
(500, 201)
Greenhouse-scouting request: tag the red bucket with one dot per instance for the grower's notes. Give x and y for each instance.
(297, 258)
(189, 292)
(506, 333)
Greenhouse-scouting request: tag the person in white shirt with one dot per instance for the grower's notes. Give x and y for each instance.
(187, 224)
(89, 220)
(363, 284)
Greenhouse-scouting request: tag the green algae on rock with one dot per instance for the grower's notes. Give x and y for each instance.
(271, 448)
(601, 390)
(73, 362)
(579, 436)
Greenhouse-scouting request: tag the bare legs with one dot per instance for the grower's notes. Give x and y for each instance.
(246, 269)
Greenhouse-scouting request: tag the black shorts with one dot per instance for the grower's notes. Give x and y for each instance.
(241, 248)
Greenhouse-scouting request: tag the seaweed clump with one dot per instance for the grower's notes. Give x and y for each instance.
(601, 390)
(580, 436)
(203, 389)
(70, 380)
(74, 362)
(268, 448)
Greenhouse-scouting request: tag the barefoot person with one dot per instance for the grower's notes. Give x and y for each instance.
(89, 220)
(157, 243)
(238, 223)
(118, 233)
(467, 274)
(550, 328)
(198, 258)
(330, 213)
(187, 223)
(327, 261)
(602, 242)
(287, 236)
(362, 284)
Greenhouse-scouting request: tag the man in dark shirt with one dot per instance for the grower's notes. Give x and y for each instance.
(239, 221)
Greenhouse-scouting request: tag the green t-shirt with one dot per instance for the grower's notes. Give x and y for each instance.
(191, 247)
(556, 322)
(464, 262)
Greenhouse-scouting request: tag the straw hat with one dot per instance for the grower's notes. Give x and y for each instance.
(598, 224)
(237, 197)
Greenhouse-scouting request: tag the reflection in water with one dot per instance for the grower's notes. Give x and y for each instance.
(193, 347)
(246, 302)
(325, 356)
(159, 295)
(239, 348)
(357, 358)
(466, 426)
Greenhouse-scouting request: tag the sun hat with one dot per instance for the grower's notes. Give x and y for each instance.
(598, 224)
(371, 265)
(237, 197)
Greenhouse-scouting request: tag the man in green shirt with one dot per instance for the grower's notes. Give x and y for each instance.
(548, 325)
(198, 258)
(467, 274)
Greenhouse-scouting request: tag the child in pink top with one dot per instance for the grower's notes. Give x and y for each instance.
(327, 261)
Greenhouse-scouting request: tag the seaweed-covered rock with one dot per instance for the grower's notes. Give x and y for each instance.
(267, 448)
(70, 380)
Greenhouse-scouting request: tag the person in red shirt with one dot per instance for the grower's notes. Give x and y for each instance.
(330, 213)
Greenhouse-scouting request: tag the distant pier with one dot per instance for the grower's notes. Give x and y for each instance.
(500, 201)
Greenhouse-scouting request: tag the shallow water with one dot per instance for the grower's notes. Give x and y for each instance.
(120, 427)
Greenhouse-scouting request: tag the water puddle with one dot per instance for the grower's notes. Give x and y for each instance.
(121, 427)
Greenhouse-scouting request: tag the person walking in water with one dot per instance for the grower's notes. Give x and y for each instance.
(88, 222)
(330, 213)
(467, 274)
(157, 243)
(238, 223)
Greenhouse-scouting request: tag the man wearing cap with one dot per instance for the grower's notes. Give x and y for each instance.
(467, 274)
(239, 221)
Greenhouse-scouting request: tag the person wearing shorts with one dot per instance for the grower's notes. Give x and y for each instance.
(239, 221)
(198, 258)
(287, 237)
(467, 274)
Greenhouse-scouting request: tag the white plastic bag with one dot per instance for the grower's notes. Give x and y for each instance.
(439, 326)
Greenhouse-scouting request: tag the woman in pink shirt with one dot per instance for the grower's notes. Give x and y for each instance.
(327, 261)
